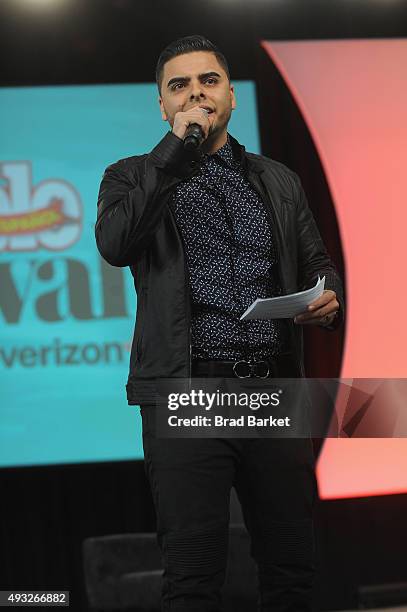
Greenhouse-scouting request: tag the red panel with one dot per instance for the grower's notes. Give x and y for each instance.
(353, 97)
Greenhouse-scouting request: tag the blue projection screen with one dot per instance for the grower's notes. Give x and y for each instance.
(67, 317)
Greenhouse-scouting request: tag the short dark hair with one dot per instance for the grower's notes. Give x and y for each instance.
(188, 44)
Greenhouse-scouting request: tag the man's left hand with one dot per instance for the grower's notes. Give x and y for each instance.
(321, 311)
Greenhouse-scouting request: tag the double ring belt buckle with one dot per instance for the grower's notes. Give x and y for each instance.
(247, 369)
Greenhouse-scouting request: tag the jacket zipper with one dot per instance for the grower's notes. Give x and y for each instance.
(139, 345)
(188, 311)
(187, 302)
(253, 180)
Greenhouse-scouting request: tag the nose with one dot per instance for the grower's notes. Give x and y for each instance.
(196, 90)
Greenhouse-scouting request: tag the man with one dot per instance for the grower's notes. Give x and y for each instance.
(204, 234)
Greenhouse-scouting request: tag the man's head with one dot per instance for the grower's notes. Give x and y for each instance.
(192, 71)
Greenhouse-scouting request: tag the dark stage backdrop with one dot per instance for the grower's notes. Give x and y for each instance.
(48, 511)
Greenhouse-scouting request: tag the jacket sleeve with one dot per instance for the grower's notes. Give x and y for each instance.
(131, 201)
(313, 258)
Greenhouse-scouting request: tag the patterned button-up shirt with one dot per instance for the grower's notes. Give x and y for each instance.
(231, 260)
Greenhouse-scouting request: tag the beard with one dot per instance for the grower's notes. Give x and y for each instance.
(219, 124)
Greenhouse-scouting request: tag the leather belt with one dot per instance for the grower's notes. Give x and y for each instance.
(281, 366)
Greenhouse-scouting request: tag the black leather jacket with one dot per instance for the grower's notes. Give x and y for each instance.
(135, 227)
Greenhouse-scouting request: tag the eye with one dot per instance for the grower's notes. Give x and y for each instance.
(213, 79)
(175, 86)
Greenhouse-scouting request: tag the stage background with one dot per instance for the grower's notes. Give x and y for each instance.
(49, 510)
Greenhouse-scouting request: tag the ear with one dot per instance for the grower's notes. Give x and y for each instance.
(232, 97)
(163, 113)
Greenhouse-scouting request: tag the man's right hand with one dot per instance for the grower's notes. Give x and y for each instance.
(193, 115)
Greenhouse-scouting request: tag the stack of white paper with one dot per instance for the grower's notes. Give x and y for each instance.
(284, 306)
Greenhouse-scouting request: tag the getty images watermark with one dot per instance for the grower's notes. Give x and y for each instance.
(221, 399)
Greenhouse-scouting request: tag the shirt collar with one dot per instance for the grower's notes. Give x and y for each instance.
(225, 153)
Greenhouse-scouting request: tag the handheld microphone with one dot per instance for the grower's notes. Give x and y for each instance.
(193, 137)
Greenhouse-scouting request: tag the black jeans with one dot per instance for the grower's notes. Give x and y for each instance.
(191, 480)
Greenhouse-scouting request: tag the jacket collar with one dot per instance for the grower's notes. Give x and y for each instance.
(239, 153)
